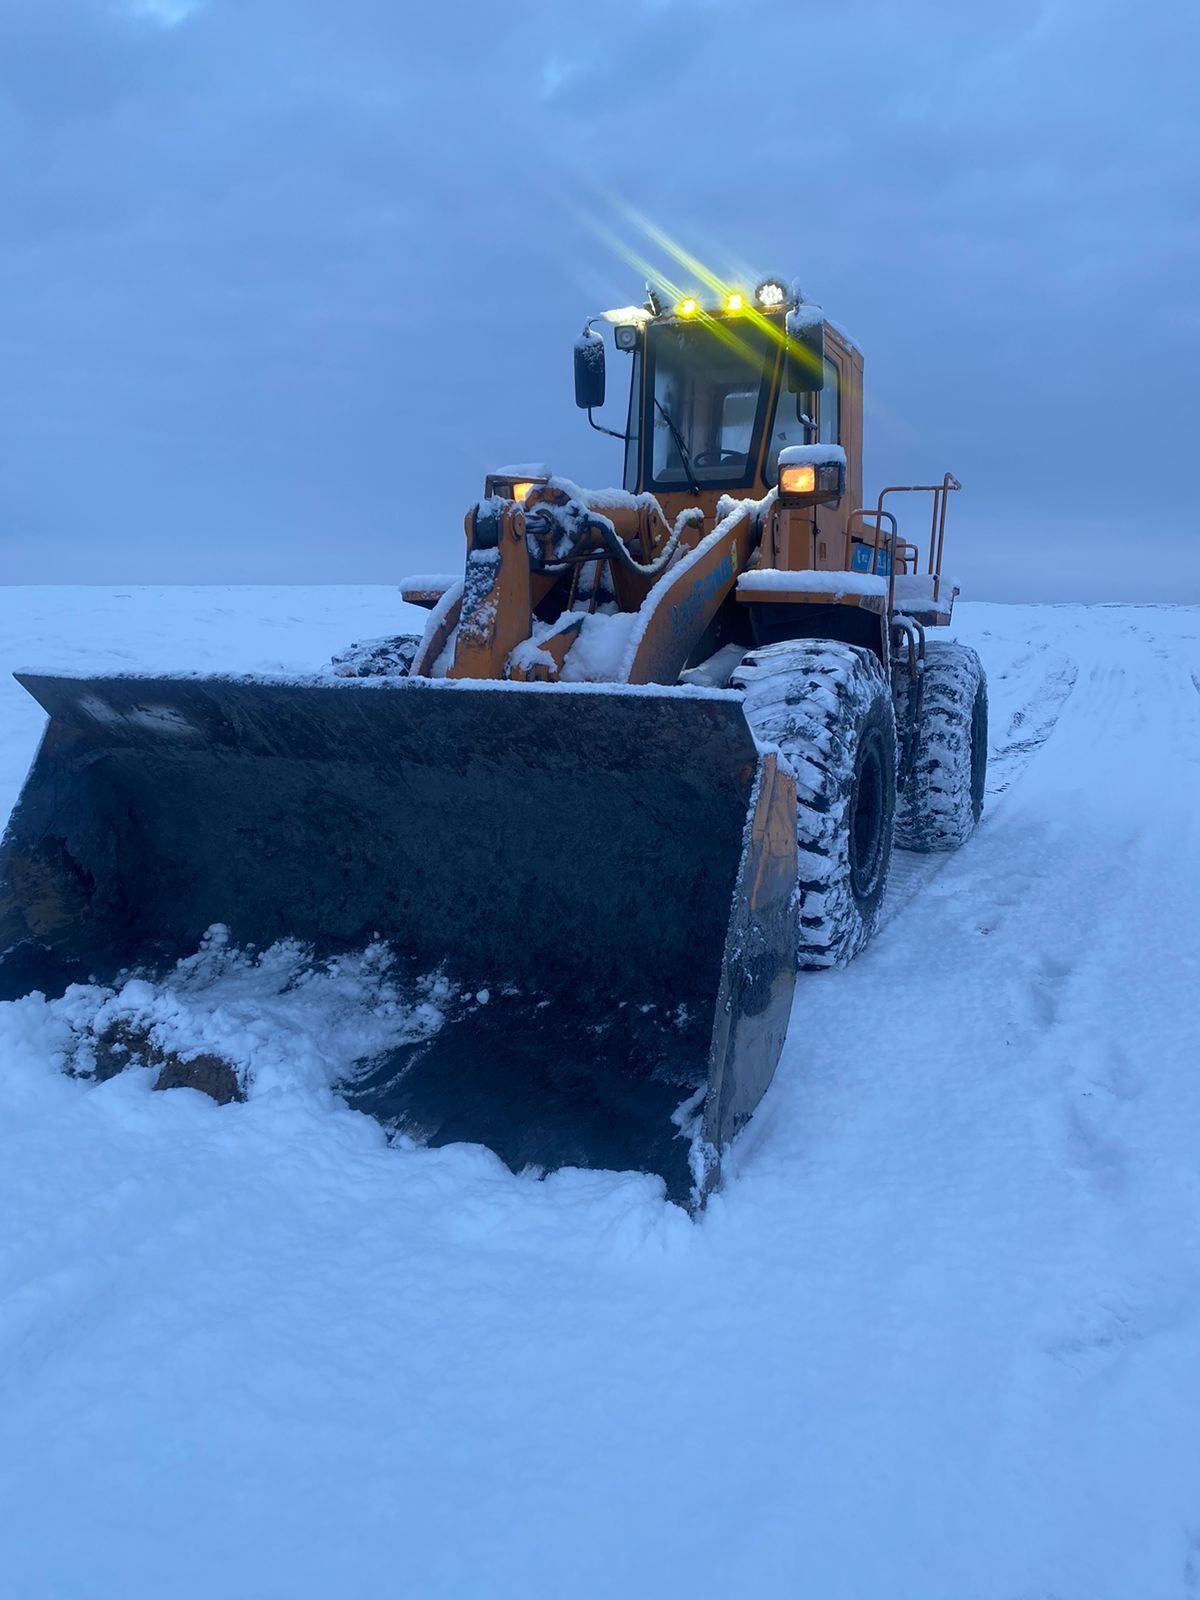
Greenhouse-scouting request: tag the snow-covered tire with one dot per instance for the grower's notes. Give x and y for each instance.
(828, 708)
(378, 658)
(943, 798)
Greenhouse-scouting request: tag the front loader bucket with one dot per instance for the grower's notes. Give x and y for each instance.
(612, 871)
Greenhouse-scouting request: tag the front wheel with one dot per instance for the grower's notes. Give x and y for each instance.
(827, 706)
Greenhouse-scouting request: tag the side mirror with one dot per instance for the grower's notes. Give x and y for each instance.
(589, 371)
(805, 350)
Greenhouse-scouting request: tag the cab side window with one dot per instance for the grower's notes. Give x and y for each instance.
(633, 444)
(830, 431)
(787, 428)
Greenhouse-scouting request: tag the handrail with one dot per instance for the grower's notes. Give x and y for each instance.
(937, 531)
(937, 528)
(909, 553)
(878, 513)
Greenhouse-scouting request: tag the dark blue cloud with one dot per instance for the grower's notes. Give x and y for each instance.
(278, 284)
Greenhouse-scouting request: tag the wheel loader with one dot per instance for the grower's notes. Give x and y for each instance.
(647, 759)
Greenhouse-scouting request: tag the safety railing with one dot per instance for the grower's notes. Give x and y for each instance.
(896, 549)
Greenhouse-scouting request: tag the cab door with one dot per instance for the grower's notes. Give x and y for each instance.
(831, 520)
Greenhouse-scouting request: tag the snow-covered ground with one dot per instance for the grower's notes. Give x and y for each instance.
(937, 1339)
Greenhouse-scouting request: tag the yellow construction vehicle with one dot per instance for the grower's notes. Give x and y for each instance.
(648, 757)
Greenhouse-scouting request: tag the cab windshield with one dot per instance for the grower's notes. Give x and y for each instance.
(707, 384)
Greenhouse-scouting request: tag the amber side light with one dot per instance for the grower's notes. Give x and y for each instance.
(798, 480)
(520, 490)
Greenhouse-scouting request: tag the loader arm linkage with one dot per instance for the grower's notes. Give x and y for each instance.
(519, 558)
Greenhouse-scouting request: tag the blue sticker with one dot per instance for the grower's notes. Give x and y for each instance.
(861, 560)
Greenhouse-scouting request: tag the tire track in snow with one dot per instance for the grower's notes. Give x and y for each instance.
(1041, 681)
(1093, 1077)
(1026, 730)
(1127, 698)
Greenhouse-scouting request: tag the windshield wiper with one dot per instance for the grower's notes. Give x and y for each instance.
(682, 448)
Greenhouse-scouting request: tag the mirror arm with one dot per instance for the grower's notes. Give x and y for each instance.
(611, 432)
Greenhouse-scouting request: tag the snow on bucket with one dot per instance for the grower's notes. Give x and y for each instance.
(612, 869)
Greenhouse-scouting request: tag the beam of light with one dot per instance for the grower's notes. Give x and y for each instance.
(677, 253)
(673, 292)
(771, 329)
(732, 336)
(696, 270)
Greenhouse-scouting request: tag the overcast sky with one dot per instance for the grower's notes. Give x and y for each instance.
(281, 279)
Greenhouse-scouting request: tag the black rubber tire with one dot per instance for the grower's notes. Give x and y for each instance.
(827, 706)
(943, 798)
(379, 658)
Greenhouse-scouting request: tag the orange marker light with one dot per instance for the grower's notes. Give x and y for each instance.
(520, 490)
(798, 480)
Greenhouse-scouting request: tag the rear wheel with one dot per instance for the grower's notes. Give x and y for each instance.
(828, 708)
(943, 798)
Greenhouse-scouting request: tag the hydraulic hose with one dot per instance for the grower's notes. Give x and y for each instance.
(579, 523)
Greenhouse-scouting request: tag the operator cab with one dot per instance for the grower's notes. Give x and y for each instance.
(716, 390)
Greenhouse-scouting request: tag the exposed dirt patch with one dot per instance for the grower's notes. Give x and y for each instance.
(124, 1044)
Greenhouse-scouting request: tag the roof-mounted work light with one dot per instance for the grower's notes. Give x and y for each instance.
(771, 294)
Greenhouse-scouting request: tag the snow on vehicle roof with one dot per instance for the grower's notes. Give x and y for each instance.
(812, 455)
(917, 589)
(603, 499)
(526, 469)
(626, 314)
(767, 580)
(844, 335)
(804, 316)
